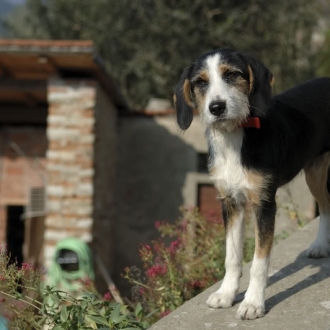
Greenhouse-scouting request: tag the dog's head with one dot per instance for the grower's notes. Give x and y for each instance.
(226, 87)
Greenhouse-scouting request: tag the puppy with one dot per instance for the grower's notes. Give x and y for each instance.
(257, 143)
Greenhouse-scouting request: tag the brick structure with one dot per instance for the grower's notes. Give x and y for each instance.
(58, 116)
(70, 161)
(22, 166)
(81, 164)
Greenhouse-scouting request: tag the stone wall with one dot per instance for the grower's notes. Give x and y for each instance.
(70, 161)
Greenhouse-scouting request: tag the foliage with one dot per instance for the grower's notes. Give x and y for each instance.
(188, 258)
(191, 261)
(20, 302)
(147, 43)
(323, 58)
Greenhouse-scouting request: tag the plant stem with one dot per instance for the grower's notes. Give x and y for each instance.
(12, 296)
(139, 283)
(34, 300)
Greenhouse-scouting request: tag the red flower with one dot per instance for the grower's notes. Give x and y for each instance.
(156, 271)
(107, 296)
(158, 223)
(196, 284)
(162, 314)
(174, 246)
(27, 266)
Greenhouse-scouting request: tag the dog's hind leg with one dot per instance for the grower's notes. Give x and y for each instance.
(233, 215)
(317, 180)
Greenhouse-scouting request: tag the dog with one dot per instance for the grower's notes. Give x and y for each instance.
(257, 143)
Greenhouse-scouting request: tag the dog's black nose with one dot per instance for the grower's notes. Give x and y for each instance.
(217, 108)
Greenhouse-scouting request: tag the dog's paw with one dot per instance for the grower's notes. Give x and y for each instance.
(318, 250)
(250, 311)
(220, 300)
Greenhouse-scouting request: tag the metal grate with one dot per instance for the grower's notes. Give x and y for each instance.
(36, 206)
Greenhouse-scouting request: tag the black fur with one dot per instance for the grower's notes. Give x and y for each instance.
(293, 133)
(184, 110)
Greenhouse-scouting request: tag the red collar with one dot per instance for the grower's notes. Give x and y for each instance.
(251, 122)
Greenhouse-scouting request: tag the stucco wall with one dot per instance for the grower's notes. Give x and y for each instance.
(157, 174)
(152, 168)
(105, 167)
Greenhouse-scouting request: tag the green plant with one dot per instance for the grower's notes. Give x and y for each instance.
(188, 259)
(29, 306)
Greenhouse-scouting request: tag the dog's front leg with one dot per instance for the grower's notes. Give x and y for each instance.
(233, 215)
(253, 305)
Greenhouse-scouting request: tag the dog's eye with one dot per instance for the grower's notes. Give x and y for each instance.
(201, 83)
(232, 74)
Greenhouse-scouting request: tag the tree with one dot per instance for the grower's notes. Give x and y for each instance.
(147, 43)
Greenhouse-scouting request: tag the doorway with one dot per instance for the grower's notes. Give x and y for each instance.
(15, 233)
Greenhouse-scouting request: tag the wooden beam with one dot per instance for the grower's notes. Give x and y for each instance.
(19, 115)
(30, 100)
(5, 71)
(23, 85)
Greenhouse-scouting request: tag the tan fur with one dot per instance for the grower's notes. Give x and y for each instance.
(316, 178)
(230, 205)
(251, 78)
(272, 82)
(225, 67)
(203, 75)
(187, 92)
(256, 194)
(259, 182)
(262, 249)
(242, 85)
(174, 99)
(199, 98)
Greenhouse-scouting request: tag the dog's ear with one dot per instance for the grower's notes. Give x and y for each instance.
(183, 101)
(261, 83)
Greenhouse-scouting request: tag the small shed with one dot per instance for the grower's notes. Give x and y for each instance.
(58, 147)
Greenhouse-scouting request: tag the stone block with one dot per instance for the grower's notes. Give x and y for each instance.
(56, 235)
(56, 191)
(85, 189)
(85, 223)
(54, 206)
(70, 134)
(61, 155)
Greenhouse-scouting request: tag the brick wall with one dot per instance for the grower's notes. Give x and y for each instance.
(22, 166)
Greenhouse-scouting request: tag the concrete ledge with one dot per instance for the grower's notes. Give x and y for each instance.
(297, 297)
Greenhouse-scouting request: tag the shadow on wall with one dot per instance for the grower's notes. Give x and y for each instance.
(152, 168)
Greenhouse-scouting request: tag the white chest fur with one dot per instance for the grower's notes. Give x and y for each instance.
(226, 169)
